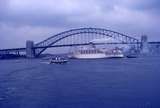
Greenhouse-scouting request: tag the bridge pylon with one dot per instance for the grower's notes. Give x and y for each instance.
(144, 44)
(30, 51)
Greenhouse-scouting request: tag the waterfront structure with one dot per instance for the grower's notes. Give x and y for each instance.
(154, 48)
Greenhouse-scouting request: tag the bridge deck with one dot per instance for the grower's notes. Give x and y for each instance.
(69, 45)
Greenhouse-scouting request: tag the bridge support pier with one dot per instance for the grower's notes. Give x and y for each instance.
(30, 51)
(144, 45)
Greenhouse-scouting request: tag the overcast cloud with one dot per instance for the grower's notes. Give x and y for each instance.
(22, 20)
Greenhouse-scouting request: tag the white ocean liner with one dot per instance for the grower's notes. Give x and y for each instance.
(93, 53)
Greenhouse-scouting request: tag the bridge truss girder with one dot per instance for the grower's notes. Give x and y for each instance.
(83, 36)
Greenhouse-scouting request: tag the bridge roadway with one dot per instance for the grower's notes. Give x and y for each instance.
(23, 49)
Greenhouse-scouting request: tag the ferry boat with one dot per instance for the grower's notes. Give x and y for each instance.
(58, 60)
(94, 53)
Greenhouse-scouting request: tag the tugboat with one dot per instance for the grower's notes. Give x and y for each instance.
(58, 60)
(132, 54)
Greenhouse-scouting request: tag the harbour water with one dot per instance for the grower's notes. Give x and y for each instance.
(101, 83)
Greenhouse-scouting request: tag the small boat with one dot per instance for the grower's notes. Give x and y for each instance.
(132, 56)
(58, 60)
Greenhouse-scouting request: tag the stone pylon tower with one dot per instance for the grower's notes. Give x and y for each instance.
(144, 45)
(30, 51)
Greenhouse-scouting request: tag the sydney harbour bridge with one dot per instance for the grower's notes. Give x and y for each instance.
(75, 37)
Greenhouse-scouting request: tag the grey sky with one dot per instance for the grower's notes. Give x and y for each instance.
(22, 20)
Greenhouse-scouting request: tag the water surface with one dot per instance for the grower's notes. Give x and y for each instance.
(101, 83)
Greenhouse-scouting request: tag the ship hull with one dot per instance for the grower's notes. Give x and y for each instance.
(96, 56)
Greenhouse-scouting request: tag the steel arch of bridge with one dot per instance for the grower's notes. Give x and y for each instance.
(53, 40)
